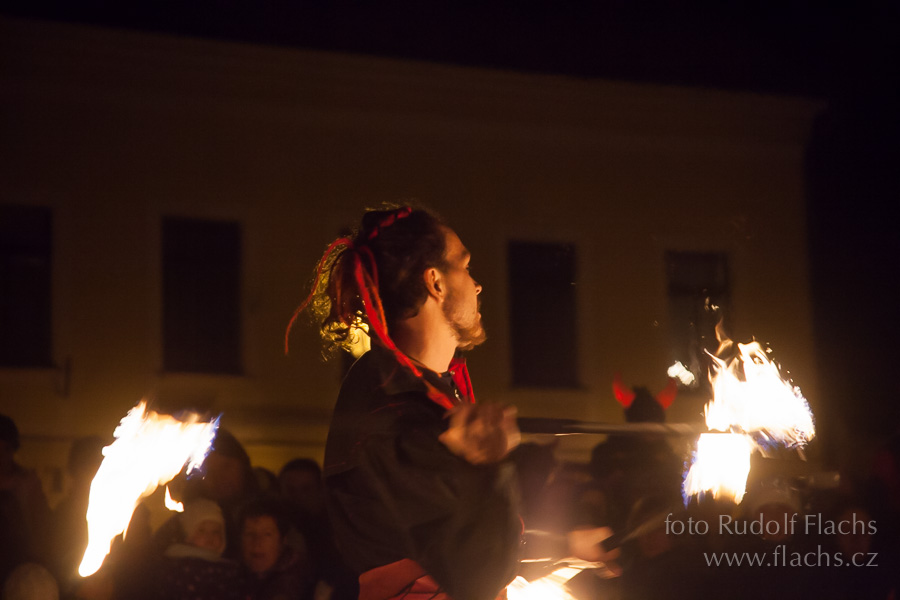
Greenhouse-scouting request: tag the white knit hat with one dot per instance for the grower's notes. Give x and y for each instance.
(198, 511)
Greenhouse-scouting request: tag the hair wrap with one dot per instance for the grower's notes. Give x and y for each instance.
(392, 218)
(347, 243)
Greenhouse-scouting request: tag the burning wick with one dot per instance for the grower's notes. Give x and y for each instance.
(757, 408)
(150, 450)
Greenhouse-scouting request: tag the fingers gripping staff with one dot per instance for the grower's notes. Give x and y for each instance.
(481, 434)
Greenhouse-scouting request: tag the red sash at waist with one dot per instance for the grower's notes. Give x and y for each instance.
(402, 580)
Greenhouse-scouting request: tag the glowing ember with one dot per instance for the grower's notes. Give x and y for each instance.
(721, 465)
(758, 408)
(550, 587)
(171, 504)
(681, 373)
(150, 449)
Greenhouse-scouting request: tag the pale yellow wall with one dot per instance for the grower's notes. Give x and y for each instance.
(114, 130)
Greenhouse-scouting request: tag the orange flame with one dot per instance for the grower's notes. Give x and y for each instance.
(150, 450)
(757, 407)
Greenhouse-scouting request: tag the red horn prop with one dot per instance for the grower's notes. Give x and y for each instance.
(667, 395)
(623, 394)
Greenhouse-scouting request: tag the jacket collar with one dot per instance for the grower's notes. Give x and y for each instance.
(399, 380)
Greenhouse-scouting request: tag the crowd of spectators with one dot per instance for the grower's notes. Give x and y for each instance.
(247, 533)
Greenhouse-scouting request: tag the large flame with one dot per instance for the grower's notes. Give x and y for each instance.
(150, 450)
(757, 408)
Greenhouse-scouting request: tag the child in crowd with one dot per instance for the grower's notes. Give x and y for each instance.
(195, 569)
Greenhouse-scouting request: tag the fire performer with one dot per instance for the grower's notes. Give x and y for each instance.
(422, 503)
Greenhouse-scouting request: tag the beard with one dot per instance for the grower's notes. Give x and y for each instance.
(467, 327)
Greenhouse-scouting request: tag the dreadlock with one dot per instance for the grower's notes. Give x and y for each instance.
(373, 278)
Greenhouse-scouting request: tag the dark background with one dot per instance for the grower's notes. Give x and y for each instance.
(843, 53)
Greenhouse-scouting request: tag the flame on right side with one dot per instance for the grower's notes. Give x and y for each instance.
(756, 409)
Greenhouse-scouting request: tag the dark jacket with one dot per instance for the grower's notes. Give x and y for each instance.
(289, 579)
(188, 573)
(396, 492)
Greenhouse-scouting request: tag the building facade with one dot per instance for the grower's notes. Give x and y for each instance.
(167, 198)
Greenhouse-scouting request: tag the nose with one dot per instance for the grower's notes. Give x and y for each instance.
(477, 288)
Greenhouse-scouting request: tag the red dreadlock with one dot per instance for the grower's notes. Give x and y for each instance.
(349, 270)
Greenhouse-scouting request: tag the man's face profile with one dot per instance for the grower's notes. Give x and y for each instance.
(461, 306)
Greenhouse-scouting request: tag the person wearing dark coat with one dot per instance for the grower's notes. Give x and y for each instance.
(422, 501)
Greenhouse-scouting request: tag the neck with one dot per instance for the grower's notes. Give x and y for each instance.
(426, 338)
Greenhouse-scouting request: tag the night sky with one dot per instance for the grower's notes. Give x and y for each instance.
(792, 46)
(845, 53)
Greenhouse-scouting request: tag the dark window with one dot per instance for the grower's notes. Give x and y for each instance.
(698, 290)
(542, 314)
(25, 289)
(201, 295)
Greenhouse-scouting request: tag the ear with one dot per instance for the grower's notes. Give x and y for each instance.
(434, 283)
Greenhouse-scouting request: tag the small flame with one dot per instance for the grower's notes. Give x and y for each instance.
(171, 504)
(757, 407)
(550, 587)
(681, 373)
(150, 450)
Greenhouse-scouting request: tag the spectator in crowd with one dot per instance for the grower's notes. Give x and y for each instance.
(274, 568)
(195, 569)
(301, 486)
(266, 481)
(24, 512)
(627, 468)
(30, 581)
